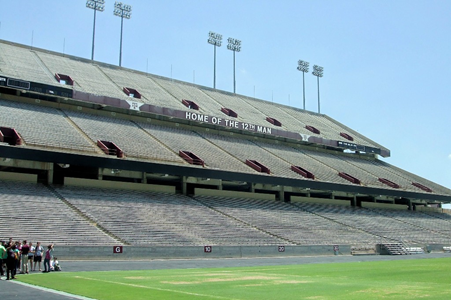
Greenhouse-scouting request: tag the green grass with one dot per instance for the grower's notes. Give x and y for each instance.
(404, 279)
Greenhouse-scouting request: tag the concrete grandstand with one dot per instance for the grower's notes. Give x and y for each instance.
(109, 156)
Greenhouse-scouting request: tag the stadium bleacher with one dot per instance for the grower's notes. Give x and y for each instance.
(180, 91)
(156, 219)
(60, 134)
(30, 211)
(87, 77)
(129, 137)
(37, 126)
(21, 62)
(162, 219)
(385, 224)
(180, 139)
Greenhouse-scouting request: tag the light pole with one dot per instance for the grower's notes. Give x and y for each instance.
(215, 39)
(318, 72)
(96, 5)
(235, 46)
(303, 67)
(122, 11)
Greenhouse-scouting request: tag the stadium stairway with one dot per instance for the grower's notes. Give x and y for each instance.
(81, 132)
(84, 216)
(394, 249)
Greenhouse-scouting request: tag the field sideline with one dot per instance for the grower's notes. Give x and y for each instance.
(387, 279)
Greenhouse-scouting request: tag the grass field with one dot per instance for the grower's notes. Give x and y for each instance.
(403, 279)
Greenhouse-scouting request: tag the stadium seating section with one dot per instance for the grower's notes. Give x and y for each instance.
(71, 216)
(78, 132)
(101, 79)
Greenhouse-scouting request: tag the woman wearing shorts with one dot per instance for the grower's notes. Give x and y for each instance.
(38, 255)
(31, 255)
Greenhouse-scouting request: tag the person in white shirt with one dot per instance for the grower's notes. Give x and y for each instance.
(38, 251)
(31, 255)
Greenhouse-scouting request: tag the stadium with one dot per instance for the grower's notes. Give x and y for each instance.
(124, 158)
(131, 165)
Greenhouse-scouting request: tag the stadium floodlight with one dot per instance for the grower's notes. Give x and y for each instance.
(235, 46)
(318, 72)
(96, 5)
(122, 11)
(216, 40)
(303, 67)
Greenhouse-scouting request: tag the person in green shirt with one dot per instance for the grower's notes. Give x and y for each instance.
(3, 256)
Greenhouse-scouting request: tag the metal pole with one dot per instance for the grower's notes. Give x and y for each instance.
(120, 50)
(214, 68)
(96, 5)
(318, 72)
(123, 11)
(215, 40)
(303, 87)
(93, 34)
(235, 46)
(319, 111)
(234, 81)
(303, 67)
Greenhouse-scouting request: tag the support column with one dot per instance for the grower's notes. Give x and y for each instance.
(50, 173)
(410, 204)
(354, 201)
(184, 185)
(144, 178)
(220, 185)
(282, 193)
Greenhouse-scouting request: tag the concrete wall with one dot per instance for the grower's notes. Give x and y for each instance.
(436, 247)
(19, 177)
(384, 206)
(320, 200)
(139, 253)
(430, 209)
(233, 194)
(118, 185)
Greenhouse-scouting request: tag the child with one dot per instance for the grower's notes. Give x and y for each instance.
(55, 266)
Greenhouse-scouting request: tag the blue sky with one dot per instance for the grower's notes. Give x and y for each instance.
(387, 63)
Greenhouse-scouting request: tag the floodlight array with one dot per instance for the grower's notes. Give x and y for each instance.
(122, 10)
(96, 4)
(215, 39)
(234, 44)
(303, 66)
(318, 71)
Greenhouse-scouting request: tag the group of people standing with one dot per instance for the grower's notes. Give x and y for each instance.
(24, 257)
